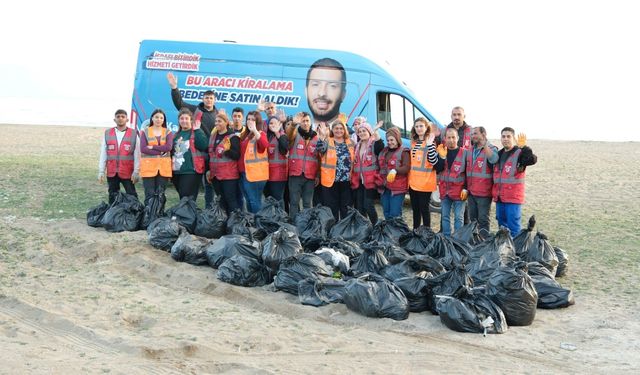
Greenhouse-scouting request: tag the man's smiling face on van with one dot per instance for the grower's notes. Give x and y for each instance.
(324, 93)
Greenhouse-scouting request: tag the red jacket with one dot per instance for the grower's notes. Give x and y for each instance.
(364, 169)
(303, 160)
(120, 160)
(451, 180)
(479, 175)
(278, 168)
(508, 183)
(388, 160)
(222, 167)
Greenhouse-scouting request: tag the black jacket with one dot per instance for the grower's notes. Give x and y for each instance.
(208, 120)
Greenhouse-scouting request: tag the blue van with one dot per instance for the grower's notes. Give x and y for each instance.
(243, 75)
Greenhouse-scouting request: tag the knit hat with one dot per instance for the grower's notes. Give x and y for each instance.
(367, 126)
(395, 133)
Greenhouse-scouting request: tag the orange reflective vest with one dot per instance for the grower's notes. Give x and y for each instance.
(151, 165)
(508, 183)
(256, 164)
(422, 176)
(120, 160)
(329, 160)
(451, 180)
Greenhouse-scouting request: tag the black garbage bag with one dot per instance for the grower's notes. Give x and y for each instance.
(297, 268)
(313, 225)
(537, 269)
(395, 254)
(513, 290)
(244, 271)
(212, 222)
(469, 233)
(551, 295)
(190, 249)
(270, 217)
(353, 227)
(563, 261)
(164, 232)
(279, 246)
(523, 240)
(542, 251)
(446, 284)
(374, 296)
(124, 214)
(417, 241)
(416, 289)
(335, 259)
(466, 311)
(229, 245)
(186, 213)
(372, 259)
(96, 213)
(448, 251)
(241, 223)
(492, 253)
(348, 248)
(411, 267)
(154, 209)
(389, 231)
(321, 291)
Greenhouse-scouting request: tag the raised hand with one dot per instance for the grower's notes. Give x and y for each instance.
(297, 118)
(281, 115)
(275, 126)
(251, 125)
(261, 105)
(522, 140)
(442, 151)
(173, 81)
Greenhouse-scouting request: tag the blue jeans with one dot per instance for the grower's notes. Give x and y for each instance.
(391, 204)
(458, 214)
(252, 193)
(509, 215)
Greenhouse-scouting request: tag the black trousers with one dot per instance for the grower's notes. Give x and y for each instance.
(114, 187)
(153, 185)
(364, 203)
(187, 185)
(337, 198)
(420, 207)
(228, 192)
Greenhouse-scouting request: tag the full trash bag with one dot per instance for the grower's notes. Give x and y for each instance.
(411, 267)
(297, 268)
(335, 259)
(271, 216)
(348, 248)
(417, 241)
(542, 251)
(374, 296)
(124, 214)
(563, 261)
(389, 231)
(241, 223)
(395, 254)
(469, 233)
(95, 214)
(372, 259)
(523, 240)
(186, 213)
(353, 227)
(321, 291)
(513, 290)
(154, 209)
(486, 257)
(466, 311)
(190, 249)
(243, 271)
(416, 290)
(164, 232)
(229, 245)
(313, 226)
(212, 222)
(551, 295)
(446, 284)
(448, 251)
(279, 246)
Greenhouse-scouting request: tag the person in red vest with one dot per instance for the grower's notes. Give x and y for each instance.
(452, 182)
(303, 163)
(336, 160)
(120, 157)
(509, 177)
(189, 156)
(395, 162)
(480, 160)
(224, 152)
(253, 163)
(365, 169)
(278, 152)
(156, 142)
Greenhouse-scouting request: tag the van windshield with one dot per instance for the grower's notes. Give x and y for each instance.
(396, 110)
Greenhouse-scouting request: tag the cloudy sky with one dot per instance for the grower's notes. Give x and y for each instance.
(552, 69)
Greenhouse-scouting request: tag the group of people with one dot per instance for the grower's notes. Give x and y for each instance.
(298, 163)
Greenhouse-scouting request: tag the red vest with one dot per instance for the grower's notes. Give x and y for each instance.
(479, 175)
(120, 159)
(452, 179)
(466, 138)
(278, 169)
(389, 160)
(222, 167)
(302, 157)
(364, 169)
(199, 157)
(508, 183)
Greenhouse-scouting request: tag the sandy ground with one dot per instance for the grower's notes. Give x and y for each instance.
(76, 299)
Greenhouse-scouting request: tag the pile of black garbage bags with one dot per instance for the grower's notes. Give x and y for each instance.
(385, 270)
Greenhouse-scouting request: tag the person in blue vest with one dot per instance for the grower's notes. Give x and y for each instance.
(120, 157)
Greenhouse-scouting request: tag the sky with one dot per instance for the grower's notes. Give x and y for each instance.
(563, 70)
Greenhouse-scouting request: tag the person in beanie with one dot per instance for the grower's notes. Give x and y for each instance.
(365, 169)
(394, 162)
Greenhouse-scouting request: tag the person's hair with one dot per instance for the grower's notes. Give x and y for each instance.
(394, 132)
(338, 122)
(258, 118)
(267, 104)
(120, 112)
(482, 130)
(428, 124)
(238, 109)
(224, 117)
(158, 110)
(305, 114)
(329, 63)
(453, 130)
(458, 107)
(185, 111)
(209, 92)
(508, 129)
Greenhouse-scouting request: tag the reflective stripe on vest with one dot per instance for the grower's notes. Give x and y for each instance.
(451, 180)
(508, 183)
(120, 160)
(222, 167)
(302, 158)
(278, 163)
(400, 184)
(151, 165)
(256, 164)
(422, 177)
(329, 160)
(365, 168)
(479, 176)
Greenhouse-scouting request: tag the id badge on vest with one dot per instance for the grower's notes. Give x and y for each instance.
(111, 147)
(127, 147)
